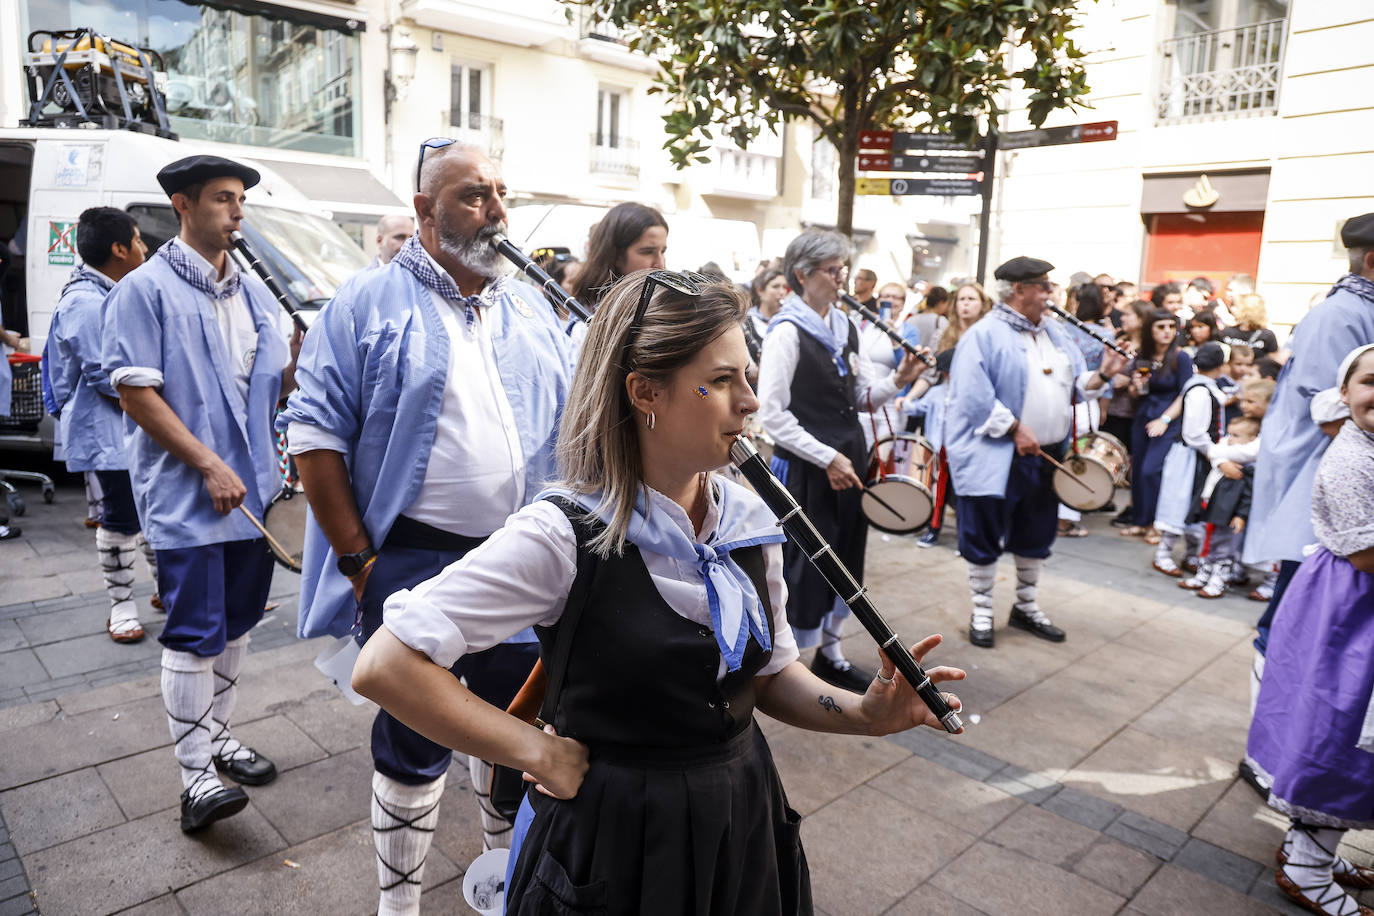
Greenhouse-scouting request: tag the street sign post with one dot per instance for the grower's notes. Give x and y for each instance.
(924, 187)
(906, 162)
(905, 140)
(1058, 136)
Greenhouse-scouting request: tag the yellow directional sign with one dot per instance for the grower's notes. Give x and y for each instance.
(873, 186)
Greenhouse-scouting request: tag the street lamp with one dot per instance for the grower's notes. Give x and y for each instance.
(400, 55)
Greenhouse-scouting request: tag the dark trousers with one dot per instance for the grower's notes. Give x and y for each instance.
(1147, 471)
(212, 594)
(1287, 569)
(1024, 522)
(117, 510)
(495, 674)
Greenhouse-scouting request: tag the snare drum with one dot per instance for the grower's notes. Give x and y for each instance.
(898, 497)
(284, 519)
(1098, 469)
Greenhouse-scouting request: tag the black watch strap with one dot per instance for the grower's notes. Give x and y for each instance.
(350, 564)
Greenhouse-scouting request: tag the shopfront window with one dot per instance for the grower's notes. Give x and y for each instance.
(287, 83)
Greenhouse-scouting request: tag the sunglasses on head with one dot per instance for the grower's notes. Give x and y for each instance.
(431, 143)
(686, 282)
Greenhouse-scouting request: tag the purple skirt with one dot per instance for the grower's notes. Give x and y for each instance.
(1318, 677)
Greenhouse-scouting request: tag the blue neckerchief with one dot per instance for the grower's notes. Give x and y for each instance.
(736, 610)
(1354, 283)
(1014, 318)
(191, 272)
(795, 310)
(415, 259)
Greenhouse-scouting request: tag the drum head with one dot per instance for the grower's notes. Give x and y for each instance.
(1091, 486)
(897, 505)
(285, 521)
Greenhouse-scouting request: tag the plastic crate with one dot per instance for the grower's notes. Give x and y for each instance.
(26, 399)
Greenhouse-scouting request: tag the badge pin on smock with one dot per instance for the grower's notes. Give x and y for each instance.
(523, 308)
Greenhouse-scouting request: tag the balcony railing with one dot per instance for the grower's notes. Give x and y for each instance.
(614, 156)
(1224, 72)
(601, 31)
(486, 132)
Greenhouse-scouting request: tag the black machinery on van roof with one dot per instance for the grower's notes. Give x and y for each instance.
(93, 80)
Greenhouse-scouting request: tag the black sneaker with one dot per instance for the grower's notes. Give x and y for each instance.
(1123, 519)
(1110, 507)
(8, 531)
(842, 674)
(929, 539)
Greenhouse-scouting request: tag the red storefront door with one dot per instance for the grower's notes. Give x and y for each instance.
(1181, 246)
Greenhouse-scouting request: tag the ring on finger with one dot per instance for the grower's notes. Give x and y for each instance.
(885, 680)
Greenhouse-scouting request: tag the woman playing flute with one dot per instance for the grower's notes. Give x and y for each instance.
(656, 791)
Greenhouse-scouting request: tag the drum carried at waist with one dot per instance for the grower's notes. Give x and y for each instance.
(1098, 467)
(899, 493)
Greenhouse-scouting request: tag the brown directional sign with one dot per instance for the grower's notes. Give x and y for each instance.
(904, 140)
(907, 162)
(1057, 136)
(924, 187)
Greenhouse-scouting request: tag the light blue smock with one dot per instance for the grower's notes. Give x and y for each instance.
(372, 373)
(1291, 445)
(6, 383)
(156, 320)
(990, 365)
(92, 423)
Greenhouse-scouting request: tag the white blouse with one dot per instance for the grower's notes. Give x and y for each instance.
(522, 575)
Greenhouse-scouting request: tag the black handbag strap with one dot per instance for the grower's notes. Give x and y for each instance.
(585, 526)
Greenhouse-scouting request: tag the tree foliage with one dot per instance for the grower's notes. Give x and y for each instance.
(732, 67)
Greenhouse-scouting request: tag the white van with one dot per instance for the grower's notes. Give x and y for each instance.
(49, 175)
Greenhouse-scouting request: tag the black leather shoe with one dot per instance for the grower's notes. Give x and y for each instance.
(929, 539)
(204, 811)
(1023, 621)
(1123, 520)
(843, 674)
(981, 638)
(253, 770)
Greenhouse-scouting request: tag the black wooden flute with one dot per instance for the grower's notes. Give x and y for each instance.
(799, 529)
(1088, 329)
(548, 285)
(877, 320)
(260, 269)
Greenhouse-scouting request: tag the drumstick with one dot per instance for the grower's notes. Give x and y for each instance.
(1066, 471)
(882, 502)
(272, 542)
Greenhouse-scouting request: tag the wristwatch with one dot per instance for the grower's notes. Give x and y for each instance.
(350, 564)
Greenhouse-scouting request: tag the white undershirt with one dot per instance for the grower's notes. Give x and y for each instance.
(521, 577)
(1048, 408)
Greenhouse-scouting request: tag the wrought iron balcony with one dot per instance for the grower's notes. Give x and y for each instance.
(614, 155)
(1222, 73)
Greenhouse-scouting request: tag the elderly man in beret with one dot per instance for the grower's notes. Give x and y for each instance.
(1293, 443)
(195, 351)
(1013, 384)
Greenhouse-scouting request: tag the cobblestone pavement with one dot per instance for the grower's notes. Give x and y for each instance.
(1099, 776)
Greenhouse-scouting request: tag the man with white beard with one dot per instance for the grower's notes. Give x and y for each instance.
(427, 412)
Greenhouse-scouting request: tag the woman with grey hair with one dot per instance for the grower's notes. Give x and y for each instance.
(812, 385)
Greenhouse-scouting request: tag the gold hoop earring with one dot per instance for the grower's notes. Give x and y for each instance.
(652, 419)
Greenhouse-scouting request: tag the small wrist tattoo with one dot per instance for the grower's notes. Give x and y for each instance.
(829, 704)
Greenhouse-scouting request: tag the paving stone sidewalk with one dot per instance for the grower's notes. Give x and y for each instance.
(1099, 776)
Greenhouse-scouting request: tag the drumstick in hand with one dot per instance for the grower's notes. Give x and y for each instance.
(882, 502)
(272, 542)
(1066, 471)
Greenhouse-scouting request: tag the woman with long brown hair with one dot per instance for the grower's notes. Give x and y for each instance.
(629, 237)
(672, 577)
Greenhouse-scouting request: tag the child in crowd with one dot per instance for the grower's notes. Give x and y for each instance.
(1313, 729)
(1185, 463)
(1223, 506)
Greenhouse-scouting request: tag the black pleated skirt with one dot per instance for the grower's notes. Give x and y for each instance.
(667, 831)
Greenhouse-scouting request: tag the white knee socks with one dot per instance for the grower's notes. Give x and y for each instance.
(226, 668)
(116, 552)
(980, 582)
(1027, 587)
(149, 557)
(496, 829)
(188, 689)
(403, 822)
(1311, 853)
(1165, 548)
(832, 628)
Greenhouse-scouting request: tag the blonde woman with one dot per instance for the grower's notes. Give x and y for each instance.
(1252, 326)
(971, 302)
(672, 579)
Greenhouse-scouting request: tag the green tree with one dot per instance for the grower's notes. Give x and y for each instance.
(733, 66)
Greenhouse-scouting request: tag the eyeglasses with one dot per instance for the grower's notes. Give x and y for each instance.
(687, 282)
(431, 143)
(1048, 286)
(836, 273)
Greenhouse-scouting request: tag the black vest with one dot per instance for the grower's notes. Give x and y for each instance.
(640, 676)
(823, 401)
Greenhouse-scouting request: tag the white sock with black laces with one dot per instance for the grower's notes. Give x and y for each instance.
(1312, 858)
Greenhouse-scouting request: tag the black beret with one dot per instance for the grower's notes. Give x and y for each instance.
(1209, 356)
(944, 360)
(196, 169)
(1358, 232)
(1023, 268)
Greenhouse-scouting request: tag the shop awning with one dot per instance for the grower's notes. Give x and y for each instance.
(287, 13)
(351, 192)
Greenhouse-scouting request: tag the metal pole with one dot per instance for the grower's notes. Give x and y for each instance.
(985, 218)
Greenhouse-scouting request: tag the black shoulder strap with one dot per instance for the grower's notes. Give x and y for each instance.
(585, 527)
